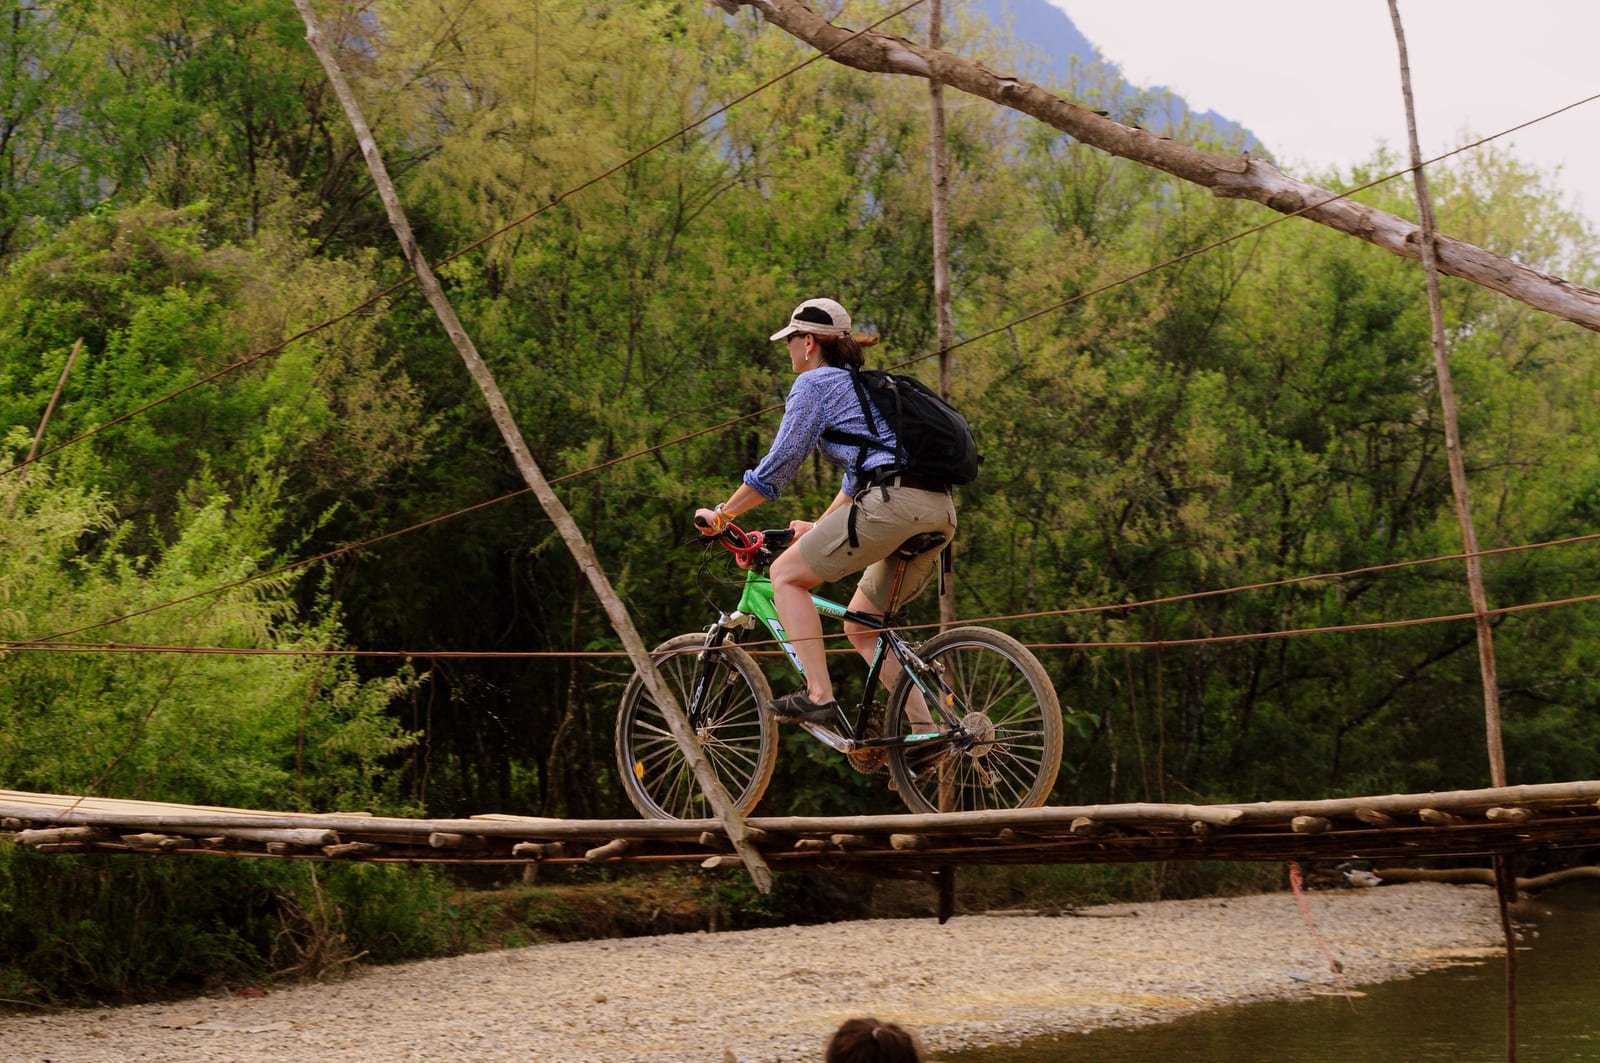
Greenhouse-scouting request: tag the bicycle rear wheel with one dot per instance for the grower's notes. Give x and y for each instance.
(738, 739)
(1007, 704)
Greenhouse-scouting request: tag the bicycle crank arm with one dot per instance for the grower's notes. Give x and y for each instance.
(829, 738)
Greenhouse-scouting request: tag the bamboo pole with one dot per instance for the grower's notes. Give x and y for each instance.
(44, 421)
(1011, 824)
(939, 167)
(55, 397)
(716, 795)
(1452, 431)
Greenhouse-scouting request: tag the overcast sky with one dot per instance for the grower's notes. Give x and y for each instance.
(1319, 83)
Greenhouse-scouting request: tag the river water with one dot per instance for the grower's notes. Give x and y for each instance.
(1453, 1015)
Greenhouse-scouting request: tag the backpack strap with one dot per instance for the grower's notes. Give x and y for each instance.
(863, 443)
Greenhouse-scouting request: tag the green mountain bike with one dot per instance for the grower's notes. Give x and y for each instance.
(996, 741)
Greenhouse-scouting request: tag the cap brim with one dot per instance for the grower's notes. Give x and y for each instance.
(784, 333)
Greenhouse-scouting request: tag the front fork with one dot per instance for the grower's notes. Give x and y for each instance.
(699, 709)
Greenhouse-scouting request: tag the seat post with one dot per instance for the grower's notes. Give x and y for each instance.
(894, 589)
(912, 548)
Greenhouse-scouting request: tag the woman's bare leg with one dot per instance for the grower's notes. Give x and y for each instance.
(865, 640)
(792, 582)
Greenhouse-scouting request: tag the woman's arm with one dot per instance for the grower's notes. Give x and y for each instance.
(743, 499)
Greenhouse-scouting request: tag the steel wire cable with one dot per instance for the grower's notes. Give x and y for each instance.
(1205, 640)
(1118, 607)
(407, 282)
(656, 448)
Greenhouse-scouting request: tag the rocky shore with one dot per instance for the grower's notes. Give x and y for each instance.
(765, 995)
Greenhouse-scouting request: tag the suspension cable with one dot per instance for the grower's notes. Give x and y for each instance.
(1206, 640)
(407, 282)
(656, 448)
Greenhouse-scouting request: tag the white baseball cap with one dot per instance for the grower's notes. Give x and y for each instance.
(823, 317)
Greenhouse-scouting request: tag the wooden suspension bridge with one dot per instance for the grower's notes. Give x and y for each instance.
(1505, 821)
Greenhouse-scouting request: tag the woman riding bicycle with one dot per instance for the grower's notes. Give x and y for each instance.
(863, 525)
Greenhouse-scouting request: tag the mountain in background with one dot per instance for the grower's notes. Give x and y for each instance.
(1057, 41)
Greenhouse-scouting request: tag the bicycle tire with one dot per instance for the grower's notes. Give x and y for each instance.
(739, 740)
(996, 678)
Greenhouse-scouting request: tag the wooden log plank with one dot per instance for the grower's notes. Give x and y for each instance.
(351, 850)
(163, 842)
(611, 850)
(1456, 801)
(712, 840)
(850, 841)
(540, 850)
(60, 836)
(459, 842)
(1375, 817)
(956, 822)
(156, 817)
(1509, 815)
(1017, 837)
(909, 842)
(307, 838)
(1310, 824)
(1433, 817)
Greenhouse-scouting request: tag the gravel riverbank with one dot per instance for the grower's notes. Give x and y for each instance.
(777, 994)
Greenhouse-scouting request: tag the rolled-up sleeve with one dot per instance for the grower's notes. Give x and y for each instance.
(804, 419)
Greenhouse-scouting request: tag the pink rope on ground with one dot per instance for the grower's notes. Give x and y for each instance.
(1297, 884)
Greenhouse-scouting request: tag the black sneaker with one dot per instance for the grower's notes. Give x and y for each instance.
(798, 707)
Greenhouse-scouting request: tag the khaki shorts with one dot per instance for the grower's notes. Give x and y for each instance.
(881, 526)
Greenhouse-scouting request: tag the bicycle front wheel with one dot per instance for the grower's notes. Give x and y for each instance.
(1012, 716)
(738, 739)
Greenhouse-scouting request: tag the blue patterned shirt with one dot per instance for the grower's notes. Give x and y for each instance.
(820, 399)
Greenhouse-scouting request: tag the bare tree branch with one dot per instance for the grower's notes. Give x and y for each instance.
(1236, 177)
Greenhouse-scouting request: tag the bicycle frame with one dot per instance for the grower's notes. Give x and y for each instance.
(756, 603)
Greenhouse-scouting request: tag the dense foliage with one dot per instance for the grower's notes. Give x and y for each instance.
(179, 192)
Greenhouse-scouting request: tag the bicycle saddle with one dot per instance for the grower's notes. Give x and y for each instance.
(920, 544)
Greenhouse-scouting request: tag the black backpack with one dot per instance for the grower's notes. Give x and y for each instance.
(935, 442)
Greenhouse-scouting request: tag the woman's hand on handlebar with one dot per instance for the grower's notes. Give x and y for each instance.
(709, 522)
(800, 527)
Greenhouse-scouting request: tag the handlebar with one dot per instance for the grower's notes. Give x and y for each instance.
(751, 548)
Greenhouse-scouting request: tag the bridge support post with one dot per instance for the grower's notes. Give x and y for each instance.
(945, 880)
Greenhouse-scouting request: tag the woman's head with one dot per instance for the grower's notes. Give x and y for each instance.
(867, 1040)
(818, 333)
